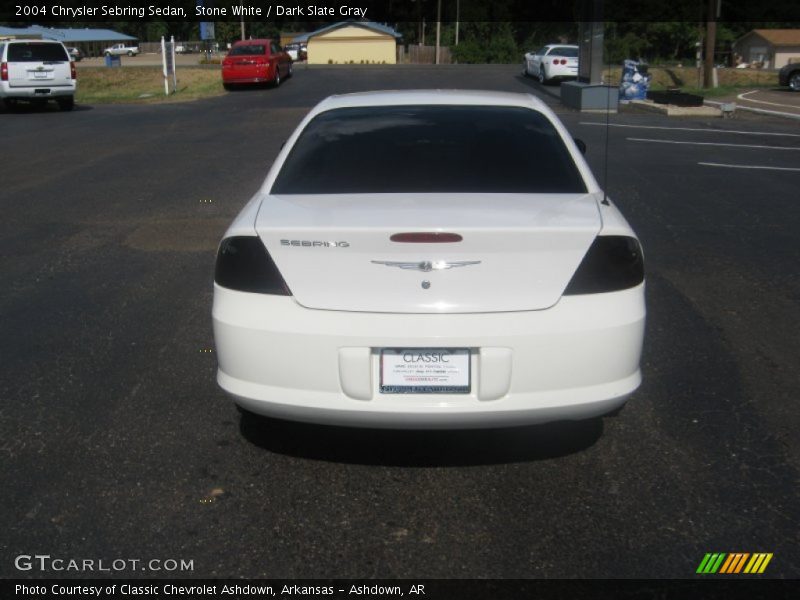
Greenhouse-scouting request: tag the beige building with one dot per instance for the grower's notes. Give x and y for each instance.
(352, 42)
(774, 48)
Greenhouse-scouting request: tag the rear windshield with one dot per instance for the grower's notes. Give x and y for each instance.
(248, 49)
(417, 149)
(561, 51)
(36, 53)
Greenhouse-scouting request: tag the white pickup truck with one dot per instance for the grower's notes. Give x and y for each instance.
(120, 49)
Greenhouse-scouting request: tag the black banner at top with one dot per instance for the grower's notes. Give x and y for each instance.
(778, 13)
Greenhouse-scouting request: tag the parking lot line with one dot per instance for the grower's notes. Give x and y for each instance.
(600, 124)
(630, 139)
(742, 97)
(766, 168)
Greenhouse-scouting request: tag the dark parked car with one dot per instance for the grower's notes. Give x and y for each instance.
(790, 76)
(255, 61)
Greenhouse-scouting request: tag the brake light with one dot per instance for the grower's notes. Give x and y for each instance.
(72, 72)
(4, 71)
(430, 237)
(613, 263)
(243, 264)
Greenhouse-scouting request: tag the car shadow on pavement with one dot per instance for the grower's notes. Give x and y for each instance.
(29, 107)
(553, 90)
(426, 448)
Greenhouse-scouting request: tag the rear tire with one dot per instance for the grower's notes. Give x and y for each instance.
(277, 81)
(227, 86)
(130, 53)
(794, 81)
(542, 76)
(66, 104)
(289, 73)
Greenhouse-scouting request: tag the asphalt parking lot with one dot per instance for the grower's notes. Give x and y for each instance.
(116, 441)
(781, 100)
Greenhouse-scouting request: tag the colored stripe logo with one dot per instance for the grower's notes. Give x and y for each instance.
(734, 563)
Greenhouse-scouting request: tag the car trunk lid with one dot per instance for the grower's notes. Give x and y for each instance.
(517, 252)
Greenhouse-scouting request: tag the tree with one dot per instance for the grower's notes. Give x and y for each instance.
(485, 42)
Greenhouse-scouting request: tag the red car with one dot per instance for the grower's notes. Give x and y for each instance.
(255, 61)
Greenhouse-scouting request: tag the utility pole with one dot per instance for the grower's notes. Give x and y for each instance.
(241, 3)
(711, 42)
(438, 28)
(458, 7)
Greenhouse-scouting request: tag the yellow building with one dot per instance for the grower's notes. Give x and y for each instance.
(352, 42)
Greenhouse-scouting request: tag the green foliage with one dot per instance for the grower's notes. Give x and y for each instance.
(486, 42)
(536, 35)
(666, 42)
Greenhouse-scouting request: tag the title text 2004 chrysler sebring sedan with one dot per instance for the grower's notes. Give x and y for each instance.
(429, 259)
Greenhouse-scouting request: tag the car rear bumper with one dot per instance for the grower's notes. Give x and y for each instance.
(576, 360)
(39, 91)
(250, 75)
(235, 80)
(562, 72)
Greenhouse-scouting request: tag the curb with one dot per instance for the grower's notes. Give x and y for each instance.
(671, 110)
(759, 111)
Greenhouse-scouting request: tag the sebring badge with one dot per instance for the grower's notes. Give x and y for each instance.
(426, 265)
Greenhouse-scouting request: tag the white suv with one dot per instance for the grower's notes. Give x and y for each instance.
(36, 71)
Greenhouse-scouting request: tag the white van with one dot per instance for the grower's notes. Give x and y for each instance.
(36, 71)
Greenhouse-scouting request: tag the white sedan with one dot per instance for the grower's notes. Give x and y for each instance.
(552, 62)
(393, 272)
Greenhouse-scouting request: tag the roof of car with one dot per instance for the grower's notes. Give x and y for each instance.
(256, 41)
(462, 97)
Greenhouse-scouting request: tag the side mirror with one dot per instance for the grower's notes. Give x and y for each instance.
(581, 145)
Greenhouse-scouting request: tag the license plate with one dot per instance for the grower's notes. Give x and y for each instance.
(41, 75)
(425, 371)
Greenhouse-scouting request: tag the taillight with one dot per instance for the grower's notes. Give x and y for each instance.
(243, 264)
(73, 73)
(4, 71)
(613, 263)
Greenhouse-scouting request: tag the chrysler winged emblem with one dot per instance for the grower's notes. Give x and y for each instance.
(427, 265)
